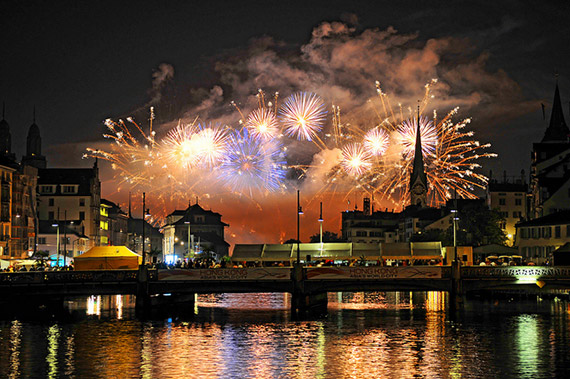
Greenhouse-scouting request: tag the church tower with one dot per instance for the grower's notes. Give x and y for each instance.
(5, 137)
(34, 155)
(418, 180)
(550, 166)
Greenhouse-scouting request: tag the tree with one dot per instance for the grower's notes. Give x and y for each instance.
(291, 240)
(327, 237)
(479, 225)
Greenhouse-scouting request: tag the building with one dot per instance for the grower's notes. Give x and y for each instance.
(7, 171)
(509, 198)
(60, 239)
(193, 231)
(152, 237)
(538, 238)
(114, 224)
(20, 198)
(369, 227)
(72, 194)
(24, 211)
(550, 166)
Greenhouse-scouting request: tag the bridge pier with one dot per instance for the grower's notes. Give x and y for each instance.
(303, 302)
(143, 302)
(456, 293)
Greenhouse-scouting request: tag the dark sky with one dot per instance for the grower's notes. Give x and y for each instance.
(79, 62)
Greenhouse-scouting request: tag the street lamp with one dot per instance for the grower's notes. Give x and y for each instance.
(321, 224)
(145, 213)
(299, 213)
(56, 225)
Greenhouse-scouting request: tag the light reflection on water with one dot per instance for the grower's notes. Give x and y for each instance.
(364, 335)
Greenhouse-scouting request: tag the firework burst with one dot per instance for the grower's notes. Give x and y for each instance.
(252, 164)
(303, 115)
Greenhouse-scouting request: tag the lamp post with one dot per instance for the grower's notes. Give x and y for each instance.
(56, 225)
(65, 238)
(143, 228)
(190, 254)
(321, 224)
(299, 213)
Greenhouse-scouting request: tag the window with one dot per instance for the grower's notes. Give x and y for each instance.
(199, 219)
(104, 225)
(567, 231)
(360, 233)
(81, 216)
(518, 201)
(41, 240)
(502, 202)
(51, 202)
(68, 189)
(82, 202)
(51, 215)
(104, 240)
(47, 189)
(557, 231)
(104, 211)
(524, 233)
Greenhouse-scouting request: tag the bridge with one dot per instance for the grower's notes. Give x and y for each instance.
(308, 285)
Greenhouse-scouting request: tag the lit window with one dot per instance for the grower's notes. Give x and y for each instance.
(104, 225)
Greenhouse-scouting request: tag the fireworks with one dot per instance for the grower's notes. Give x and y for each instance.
(262, 123)
(376, 141)
(303, 115)
(252, 163)
(355, 159)
(407, 134)
(202, 158)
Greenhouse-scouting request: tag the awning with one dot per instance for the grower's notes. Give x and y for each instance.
(279, 252)
(247, 252)
(427, 250)
(396, 250)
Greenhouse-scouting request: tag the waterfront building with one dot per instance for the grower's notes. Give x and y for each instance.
(7, 171)
(72, 194)
(192, 231)
(550, 167)
(114, 224)
(18, 199)
(62, 236)
(369, 226)
(152, 237)
(538, 238)
(509, 198)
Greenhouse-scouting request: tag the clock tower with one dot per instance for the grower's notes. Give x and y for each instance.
(418, 180)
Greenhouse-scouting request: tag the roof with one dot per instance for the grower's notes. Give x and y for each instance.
(558, 218)
(107, 252)
(78, 176)
(557, 129)
(507, 187)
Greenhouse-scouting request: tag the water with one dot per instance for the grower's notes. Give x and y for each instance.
(364, 335)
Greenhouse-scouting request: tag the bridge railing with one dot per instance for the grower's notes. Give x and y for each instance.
(45, 277)
(515, 272)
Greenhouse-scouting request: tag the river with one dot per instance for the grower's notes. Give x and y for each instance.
(364, 335)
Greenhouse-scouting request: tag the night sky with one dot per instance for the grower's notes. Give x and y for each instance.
(79, 63)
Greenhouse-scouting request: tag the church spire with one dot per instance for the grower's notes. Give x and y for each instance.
(557, 130)
(418, 180)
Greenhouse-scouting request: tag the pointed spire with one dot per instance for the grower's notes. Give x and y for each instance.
(418, 172)
(557, 130)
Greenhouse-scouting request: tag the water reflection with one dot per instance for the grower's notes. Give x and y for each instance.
(365, 335)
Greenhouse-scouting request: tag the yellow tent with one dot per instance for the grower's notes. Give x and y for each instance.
(107, 258)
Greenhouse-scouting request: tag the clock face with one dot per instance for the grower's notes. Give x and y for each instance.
(418, 189)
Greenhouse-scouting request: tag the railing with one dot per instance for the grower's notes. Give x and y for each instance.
(46, 277)
(515, 272)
